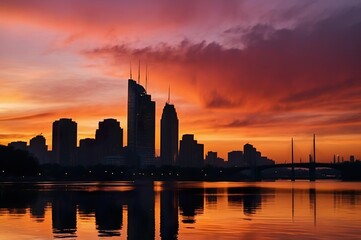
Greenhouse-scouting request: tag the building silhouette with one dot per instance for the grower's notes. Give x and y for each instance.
(141, 125)
(87, 152)
(191, 153)
(39, 148)
(212, 159)
(18, 145)
(169, 135)
(109, 139)
(64, 141)
(236, 159)
(253, 158)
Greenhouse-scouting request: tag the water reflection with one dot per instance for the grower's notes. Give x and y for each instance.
(249, 198)
(63, 208)
(190, 204)
(132, 213)
(141, 223)
(169, 212)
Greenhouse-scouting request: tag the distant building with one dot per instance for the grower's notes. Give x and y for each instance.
(169, 135)
(109, 139)
(141, 125)
(64, 141)
(236, 159)
(212, 159)
(20, 145)
(39, 148)
(87, 152)
(191, 153)
(253, 157)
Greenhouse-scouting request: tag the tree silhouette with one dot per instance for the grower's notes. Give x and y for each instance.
(17, 162)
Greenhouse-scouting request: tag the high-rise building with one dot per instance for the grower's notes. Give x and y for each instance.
(109, 138)
(191, 153)
(141, 125)
(169, 135)
(39, 148)
(64, 141)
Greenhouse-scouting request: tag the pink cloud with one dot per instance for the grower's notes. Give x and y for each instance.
(238, 69)
(309, 69)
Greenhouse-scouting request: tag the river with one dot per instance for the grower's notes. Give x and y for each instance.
(181, 210)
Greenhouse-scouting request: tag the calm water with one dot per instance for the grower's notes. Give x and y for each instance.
(181, 210)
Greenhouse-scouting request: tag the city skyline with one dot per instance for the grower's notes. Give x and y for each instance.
(249, 71)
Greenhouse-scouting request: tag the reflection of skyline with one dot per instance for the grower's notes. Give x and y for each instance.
(250, 198)
(108, 215)
(64, 215)
(190, 204)
(113, 213)
(169, 214)
(141, 222)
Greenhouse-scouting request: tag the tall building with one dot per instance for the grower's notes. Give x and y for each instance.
(64, 141)
(191, 153)
(39, 148)
(169, 135)
(141, 125)
(109, 138)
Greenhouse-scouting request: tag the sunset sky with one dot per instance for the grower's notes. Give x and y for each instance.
(239, 71)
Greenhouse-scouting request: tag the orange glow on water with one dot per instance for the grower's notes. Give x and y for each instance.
(203, 209)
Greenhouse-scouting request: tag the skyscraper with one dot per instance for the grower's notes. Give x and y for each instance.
(141, 125)
(191, 153)
(169, 135)
(64, 141)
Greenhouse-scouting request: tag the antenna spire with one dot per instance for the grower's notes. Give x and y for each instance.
(146, 77)
(130, 69)
(139, 72)
(169, 94)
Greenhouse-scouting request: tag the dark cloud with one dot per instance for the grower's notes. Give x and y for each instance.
(314, 67)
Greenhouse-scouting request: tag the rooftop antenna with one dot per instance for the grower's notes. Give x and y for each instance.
(130, 68)
(168, 95)
(139, 72)
(146, 77)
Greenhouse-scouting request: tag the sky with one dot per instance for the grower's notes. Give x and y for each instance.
(259, 72)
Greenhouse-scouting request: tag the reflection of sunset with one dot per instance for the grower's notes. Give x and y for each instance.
(257, 72)
(229, 210)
